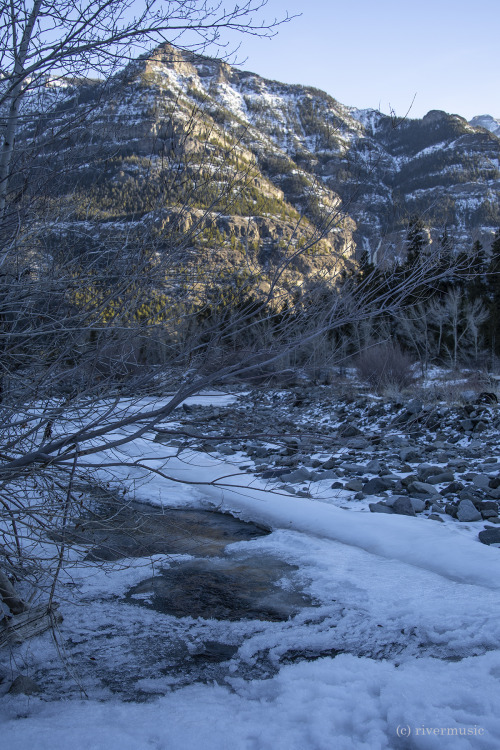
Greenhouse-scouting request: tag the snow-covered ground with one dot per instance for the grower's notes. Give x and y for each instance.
(410, 608)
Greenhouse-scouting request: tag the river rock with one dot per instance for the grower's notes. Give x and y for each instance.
(467, 511)
(275, 473)
(418, 504)
(376, 485)
(23, 685)
(486, 505)
(348, 430)
(319, 476)
(425, 471)
(380, 508)
(410, 455)
(226, 450)
(487, 514)
(373, 466)
(422, 488)
(330, 463)
(482, 481)
(452, 489)
(299, 475)
(414, 406)
(489, 536)
(403, 506)
(444, 476)
(350, 468)
(437, 508)
(354, 485)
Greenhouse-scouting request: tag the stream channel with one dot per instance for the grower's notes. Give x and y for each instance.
(187, 619)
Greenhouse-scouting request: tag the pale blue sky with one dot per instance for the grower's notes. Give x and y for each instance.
(382, 53)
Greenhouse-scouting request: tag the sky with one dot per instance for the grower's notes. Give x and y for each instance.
(392, 55)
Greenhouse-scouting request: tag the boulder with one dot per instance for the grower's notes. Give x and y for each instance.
(452, 489)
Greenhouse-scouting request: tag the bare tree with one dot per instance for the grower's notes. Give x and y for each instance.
(461, 318)
(73, 323)
(416, 331)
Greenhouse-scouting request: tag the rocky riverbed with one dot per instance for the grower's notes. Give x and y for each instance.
(160, 598)
(415, 455)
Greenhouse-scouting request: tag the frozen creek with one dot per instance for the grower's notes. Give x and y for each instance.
(291, 620)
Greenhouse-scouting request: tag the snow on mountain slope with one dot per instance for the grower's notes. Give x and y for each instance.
(486, 121)
(315, 152)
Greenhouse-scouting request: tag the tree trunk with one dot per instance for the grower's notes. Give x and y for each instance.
(10, 597)
(14, 102)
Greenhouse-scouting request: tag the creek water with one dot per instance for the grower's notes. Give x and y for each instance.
(188, 621)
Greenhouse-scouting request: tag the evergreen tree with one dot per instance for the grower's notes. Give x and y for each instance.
(477, 287)
(416, 241)
(446, 243)
(493, 291)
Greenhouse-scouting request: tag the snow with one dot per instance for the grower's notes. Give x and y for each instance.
(486, 121)
(346, 703)
(412, 605)
(408, 540)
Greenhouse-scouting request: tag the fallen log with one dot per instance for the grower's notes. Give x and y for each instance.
(36, 620)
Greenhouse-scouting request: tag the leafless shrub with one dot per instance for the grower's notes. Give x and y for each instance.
(385, 365)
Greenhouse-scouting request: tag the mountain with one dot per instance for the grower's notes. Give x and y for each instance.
(257, 155)
(488, 122)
